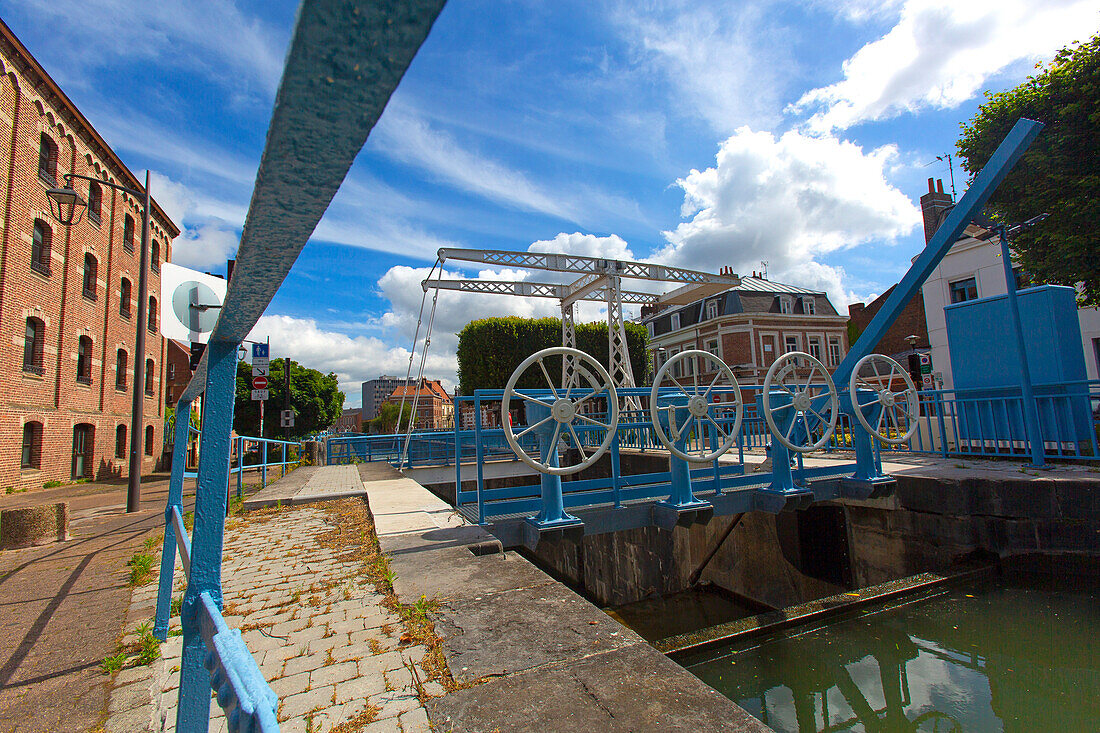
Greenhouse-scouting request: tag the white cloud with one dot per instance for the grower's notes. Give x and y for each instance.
(406, 137)
(940, 53)
(209, 37)
(788, 200)
(726, 61)
(209, 229)
(589, 245)
(353, 359)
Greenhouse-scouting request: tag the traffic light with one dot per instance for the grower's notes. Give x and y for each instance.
(196, 355)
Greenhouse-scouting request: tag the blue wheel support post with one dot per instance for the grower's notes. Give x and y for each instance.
(867, 468)
(181, 433)
(553, 512)
(1031, 413)
(782, 479)
(479, 457)
(205, 573)
(682, 497)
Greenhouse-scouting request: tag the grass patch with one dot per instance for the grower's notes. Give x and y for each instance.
(112, 664)
(148, 647)
(141, 568)
(13, 490)
(177, 606)
(189, 521)
(52, 484)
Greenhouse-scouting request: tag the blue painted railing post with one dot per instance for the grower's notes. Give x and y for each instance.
(240, 466)
(283, 471)
(204, 575)
(1031, 413)
(181, 434)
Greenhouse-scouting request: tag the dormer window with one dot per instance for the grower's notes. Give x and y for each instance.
(675, 321)
(786, 304)
(712, 309)
(808, 306)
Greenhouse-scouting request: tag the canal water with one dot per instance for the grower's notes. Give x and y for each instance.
(1011, 655)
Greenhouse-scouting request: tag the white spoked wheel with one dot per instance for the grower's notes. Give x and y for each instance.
(881, 374)
(698, 408)
(808, 401)
(566, 408)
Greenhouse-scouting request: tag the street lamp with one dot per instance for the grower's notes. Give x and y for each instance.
(67, 206)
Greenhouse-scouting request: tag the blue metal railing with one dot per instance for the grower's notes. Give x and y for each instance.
(361, 50)
(991, 422)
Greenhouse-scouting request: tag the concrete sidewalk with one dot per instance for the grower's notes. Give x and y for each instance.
(309, 484)
(64, 605)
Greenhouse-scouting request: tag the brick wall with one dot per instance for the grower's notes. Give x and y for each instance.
(51, 394)
(910, 322)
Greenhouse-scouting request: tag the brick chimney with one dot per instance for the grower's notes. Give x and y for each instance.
(932, 206)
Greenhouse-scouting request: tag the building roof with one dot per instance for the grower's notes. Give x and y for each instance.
(48, 87)
(427, 388)
(753, 295)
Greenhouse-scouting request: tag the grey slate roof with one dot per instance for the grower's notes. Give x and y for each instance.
(753, 295)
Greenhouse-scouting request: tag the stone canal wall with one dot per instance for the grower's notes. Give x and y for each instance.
(933, 521)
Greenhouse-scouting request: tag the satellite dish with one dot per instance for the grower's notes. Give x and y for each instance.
(190, 302)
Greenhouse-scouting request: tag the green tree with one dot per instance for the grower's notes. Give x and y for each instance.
(386, 422)
(315, 397)
(1060, 173)
(490, 349)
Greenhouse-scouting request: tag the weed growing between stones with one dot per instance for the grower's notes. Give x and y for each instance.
(360, 721)
(145, 650)
(141, 568)
(113, 663)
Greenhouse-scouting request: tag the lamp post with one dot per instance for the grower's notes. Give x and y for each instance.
(67, 207)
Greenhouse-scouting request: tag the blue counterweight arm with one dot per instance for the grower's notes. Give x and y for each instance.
(1008, 153)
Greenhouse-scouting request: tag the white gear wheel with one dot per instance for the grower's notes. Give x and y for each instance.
(781, 375)
(698, 408)
(877, 372)
(564, 410)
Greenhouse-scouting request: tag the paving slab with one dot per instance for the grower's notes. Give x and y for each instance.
(514, 631)
(629, 689)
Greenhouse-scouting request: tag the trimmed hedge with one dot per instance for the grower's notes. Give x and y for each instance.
(489, 350)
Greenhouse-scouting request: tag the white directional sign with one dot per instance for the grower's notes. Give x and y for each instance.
(260, 370)
(259, 395)
(190, 302)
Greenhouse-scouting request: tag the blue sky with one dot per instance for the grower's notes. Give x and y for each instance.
(698, 134)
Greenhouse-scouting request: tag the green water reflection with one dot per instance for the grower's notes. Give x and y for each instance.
(1011, 656)
(681, 613)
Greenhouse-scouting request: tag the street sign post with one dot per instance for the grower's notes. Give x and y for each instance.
(259, 382)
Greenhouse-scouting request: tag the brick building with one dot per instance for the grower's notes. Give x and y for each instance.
(178, 373)
(435, 410)
(377, 391)
(350, 421)
(67, 295)
(749, 327)
(910, 322)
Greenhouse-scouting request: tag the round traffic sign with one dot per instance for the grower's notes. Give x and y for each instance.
(259, 383)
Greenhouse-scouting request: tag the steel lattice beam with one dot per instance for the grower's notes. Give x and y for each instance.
(522, 288)
(583, 265)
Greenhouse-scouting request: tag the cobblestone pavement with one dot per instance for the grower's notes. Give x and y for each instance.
(314, 625)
